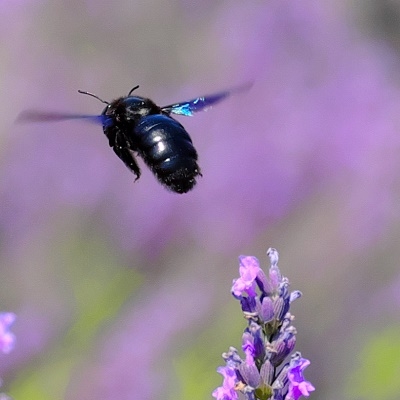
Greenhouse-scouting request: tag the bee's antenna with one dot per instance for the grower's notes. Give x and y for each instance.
(93, 95)
(136, 87)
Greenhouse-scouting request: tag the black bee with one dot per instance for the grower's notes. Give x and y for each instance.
(136, 124)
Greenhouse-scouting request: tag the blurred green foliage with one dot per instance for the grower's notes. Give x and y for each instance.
(196, 368)
(379, 367)
(100, 288)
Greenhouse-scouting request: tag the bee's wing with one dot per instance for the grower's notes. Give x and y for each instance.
(29, 116)
(190, 107)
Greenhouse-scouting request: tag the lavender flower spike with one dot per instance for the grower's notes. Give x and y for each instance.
(7, 339)
(267, 340)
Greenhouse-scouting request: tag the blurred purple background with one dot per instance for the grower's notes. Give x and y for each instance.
(122, 288)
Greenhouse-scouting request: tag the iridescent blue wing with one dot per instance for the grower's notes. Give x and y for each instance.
(43, 116)
(190, 107)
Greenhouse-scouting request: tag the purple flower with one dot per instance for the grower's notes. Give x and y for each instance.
(227, 390)
(265, 298)
(267, 340)
(7, 339)
(252, 343)
(284, 344)
(248, 270)
(298, 386)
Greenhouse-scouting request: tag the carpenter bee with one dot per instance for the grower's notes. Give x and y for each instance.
(136, 125)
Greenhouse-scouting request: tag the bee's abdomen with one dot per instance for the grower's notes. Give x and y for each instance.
(167, 149)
